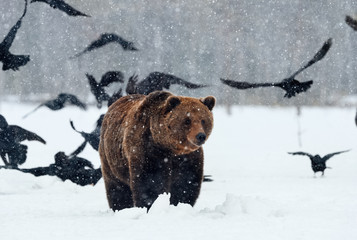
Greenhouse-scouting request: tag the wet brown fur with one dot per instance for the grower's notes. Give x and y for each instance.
(148, 146)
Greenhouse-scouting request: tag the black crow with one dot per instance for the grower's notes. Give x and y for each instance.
(290, 84)
(91, 138)
(11, 137)
(9, 60)
(351, 22)
(98, 88)
(318, 164)
(60, 102)
(63, 6)
(76, 169)
(156, 81)
(106, 38)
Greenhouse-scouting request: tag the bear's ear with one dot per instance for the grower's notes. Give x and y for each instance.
(171, 103)
(209, 102)
(155, 98)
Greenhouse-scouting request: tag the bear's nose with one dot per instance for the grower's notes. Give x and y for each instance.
(201, 137)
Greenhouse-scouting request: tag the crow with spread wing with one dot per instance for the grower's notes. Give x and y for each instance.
(91, 138)
(11, 137)
(76, 169)
(60, 102)
(290, 84)
(9, 60)
(97, 88)
(156, 81)
(63, 6)
(318, 164)
(107, 38)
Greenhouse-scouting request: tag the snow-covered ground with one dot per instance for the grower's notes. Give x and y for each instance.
(259, 191)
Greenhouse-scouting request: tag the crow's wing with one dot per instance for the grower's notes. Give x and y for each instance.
(328, 156)
(75, 101)
(100, 42)
(176, 80)
(26, 115)
(7, 42)
(72, 125)
(100, 121)
(93, 84)
(159, 80)
(111, 77)
(118, 94)
(126, 45)
(246, 85)
(79, 149)
(301, 153)
(63, 6)
(3, 122)
(83, 134)
(318, 56)
(351, 22)
(21, 134)
(131, 87)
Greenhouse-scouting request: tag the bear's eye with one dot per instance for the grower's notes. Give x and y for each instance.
(203, 122)
(187, 121)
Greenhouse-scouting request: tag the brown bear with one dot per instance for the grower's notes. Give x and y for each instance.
(150, 145)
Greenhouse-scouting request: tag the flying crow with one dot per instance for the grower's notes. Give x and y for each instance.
(98, 88)
(91, 138)
(107, 38)
(60, 102)
(318, 164)
(290, 84)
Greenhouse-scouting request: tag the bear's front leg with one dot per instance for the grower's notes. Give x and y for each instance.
(187, 178)
(148, 180)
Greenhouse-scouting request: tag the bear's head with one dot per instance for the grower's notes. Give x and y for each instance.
(183, 124)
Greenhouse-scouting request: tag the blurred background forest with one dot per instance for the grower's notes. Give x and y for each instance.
(200, 41)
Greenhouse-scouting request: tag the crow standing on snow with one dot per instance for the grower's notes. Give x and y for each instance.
(10, 138)
(78, 170)
(63, 6)
(318, 164)
(98, 88)
(9, 60)
(60, 102)
(351, 22)
(156, 81)
(91, 138)
(107, 38)
(290, 84)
